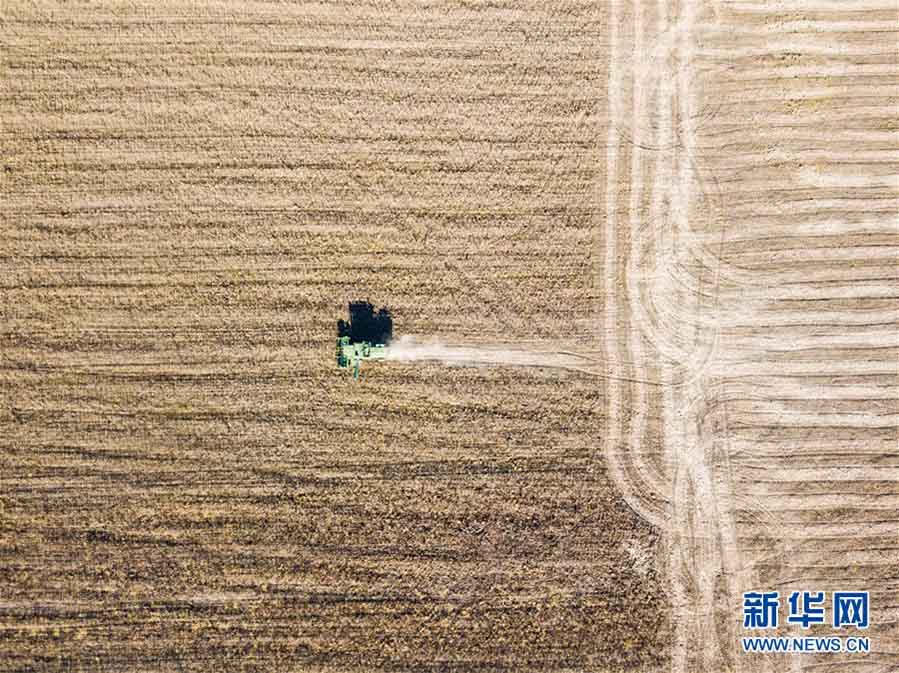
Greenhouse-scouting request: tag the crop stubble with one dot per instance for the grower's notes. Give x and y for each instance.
(189, 200)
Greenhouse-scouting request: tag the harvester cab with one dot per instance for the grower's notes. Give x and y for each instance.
(364, 337)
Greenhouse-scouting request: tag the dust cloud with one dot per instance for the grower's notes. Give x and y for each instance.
(412, 349)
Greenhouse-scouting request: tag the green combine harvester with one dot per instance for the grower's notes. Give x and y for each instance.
(364, 337)
(352, 354)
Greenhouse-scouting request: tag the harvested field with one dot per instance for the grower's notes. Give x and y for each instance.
(648, 252)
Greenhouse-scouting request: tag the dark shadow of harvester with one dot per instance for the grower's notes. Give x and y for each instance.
(364, 337)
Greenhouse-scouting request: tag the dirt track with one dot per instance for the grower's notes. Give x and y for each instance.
(753, 258)
(699, 199)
